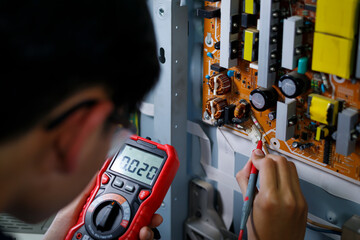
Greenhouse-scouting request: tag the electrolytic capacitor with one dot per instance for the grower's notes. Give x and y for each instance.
(293, 84)
(262, 99)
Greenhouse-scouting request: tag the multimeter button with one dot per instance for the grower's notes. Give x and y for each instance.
(118, 183)
(129, 188)
(105, 179)
(144, 194)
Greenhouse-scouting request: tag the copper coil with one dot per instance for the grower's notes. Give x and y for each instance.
(223, 84)
(241, 110)
(219, 105)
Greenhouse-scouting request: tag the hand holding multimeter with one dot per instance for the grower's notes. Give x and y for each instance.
(130, 187)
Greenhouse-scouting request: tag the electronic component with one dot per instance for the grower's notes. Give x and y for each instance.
(208, 12)
(217, 45)
(321, 132)
(229, 113)
(248, 20)
(327, 151)
(272, 115)
(220, 84)
(241, 112)
(332, 54)
(216, 67)
(345, 142)
(215, 107)
(293, 84)
(268, 42)
(322, 109)
(250, 51)
(338, 18)
(235, 24)
(285, 122)
(249, 6)
(310, 7)
(304, 136)
(262, 99)
(229, 41)
(292, 41)
(302, 65)
(301, 146)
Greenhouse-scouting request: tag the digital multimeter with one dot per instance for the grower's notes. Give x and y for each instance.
(130, 187)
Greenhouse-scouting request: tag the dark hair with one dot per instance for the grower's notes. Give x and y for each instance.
(49, 49)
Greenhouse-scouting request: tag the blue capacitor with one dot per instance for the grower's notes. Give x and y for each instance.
(323, 88)
(302, 65)
(230, 73)
(209, 54)
(207, 76)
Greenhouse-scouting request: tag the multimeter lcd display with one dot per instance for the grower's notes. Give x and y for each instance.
(137, 164)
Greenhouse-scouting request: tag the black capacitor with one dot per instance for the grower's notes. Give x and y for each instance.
(293, 84)
(262, 99)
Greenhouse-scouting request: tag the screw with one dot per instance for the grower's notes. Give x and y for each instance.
(274, 28)
(275, 14)
(161, 12)
(272, 69)
(273, 55)
(299, 31)
(234, 50)
(235, 25)
(274, 40)
(297, 51)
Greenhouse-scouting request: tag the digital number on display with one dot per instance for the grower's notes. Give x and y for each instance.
(137, 164)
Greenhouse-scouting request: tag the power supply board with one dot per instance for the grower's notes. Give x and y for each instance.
(286, 71)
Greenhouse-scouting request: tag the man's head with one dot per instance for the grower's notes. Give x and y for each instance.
(66, 68)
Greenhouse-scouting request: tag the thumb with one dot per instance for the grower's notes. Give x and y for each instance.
(256, 157)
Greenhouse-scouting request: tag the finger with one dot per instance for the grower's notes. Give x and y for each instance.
(156, 221)
(146, 233)
(285, 181)
(296, 184)
(267, 171)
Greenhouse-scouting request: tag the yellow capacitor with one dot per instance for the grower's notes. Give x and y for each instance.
(249, 7)
(339, 18)
(333, 55)
(323, 109)
(250, 39)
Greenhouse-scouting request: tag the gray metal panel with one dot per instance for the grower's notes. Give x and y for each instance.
(347, 119)
(284, 111)
(358, 58)
(228, 9)
(291, 40)
(266, 78)
(170, 106)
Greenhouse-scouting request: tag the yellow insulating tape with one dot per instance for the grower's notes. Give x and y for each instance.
(249, 6)
(248, 45)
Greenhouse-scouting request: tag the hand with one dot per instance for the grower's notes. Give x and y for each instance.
(68, 216)
(279, 209)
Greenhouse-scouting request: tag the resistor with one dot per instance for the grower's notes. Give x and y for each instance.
(257, 124)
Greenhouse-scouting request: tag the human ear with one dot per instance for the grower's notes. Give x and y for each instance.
(72, 137)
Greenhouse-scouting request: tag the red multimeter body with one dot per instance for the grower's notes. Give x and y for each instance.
(130, 187)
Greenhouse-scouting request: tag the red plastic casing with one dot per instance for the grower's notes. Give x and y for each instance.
(150, 205)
